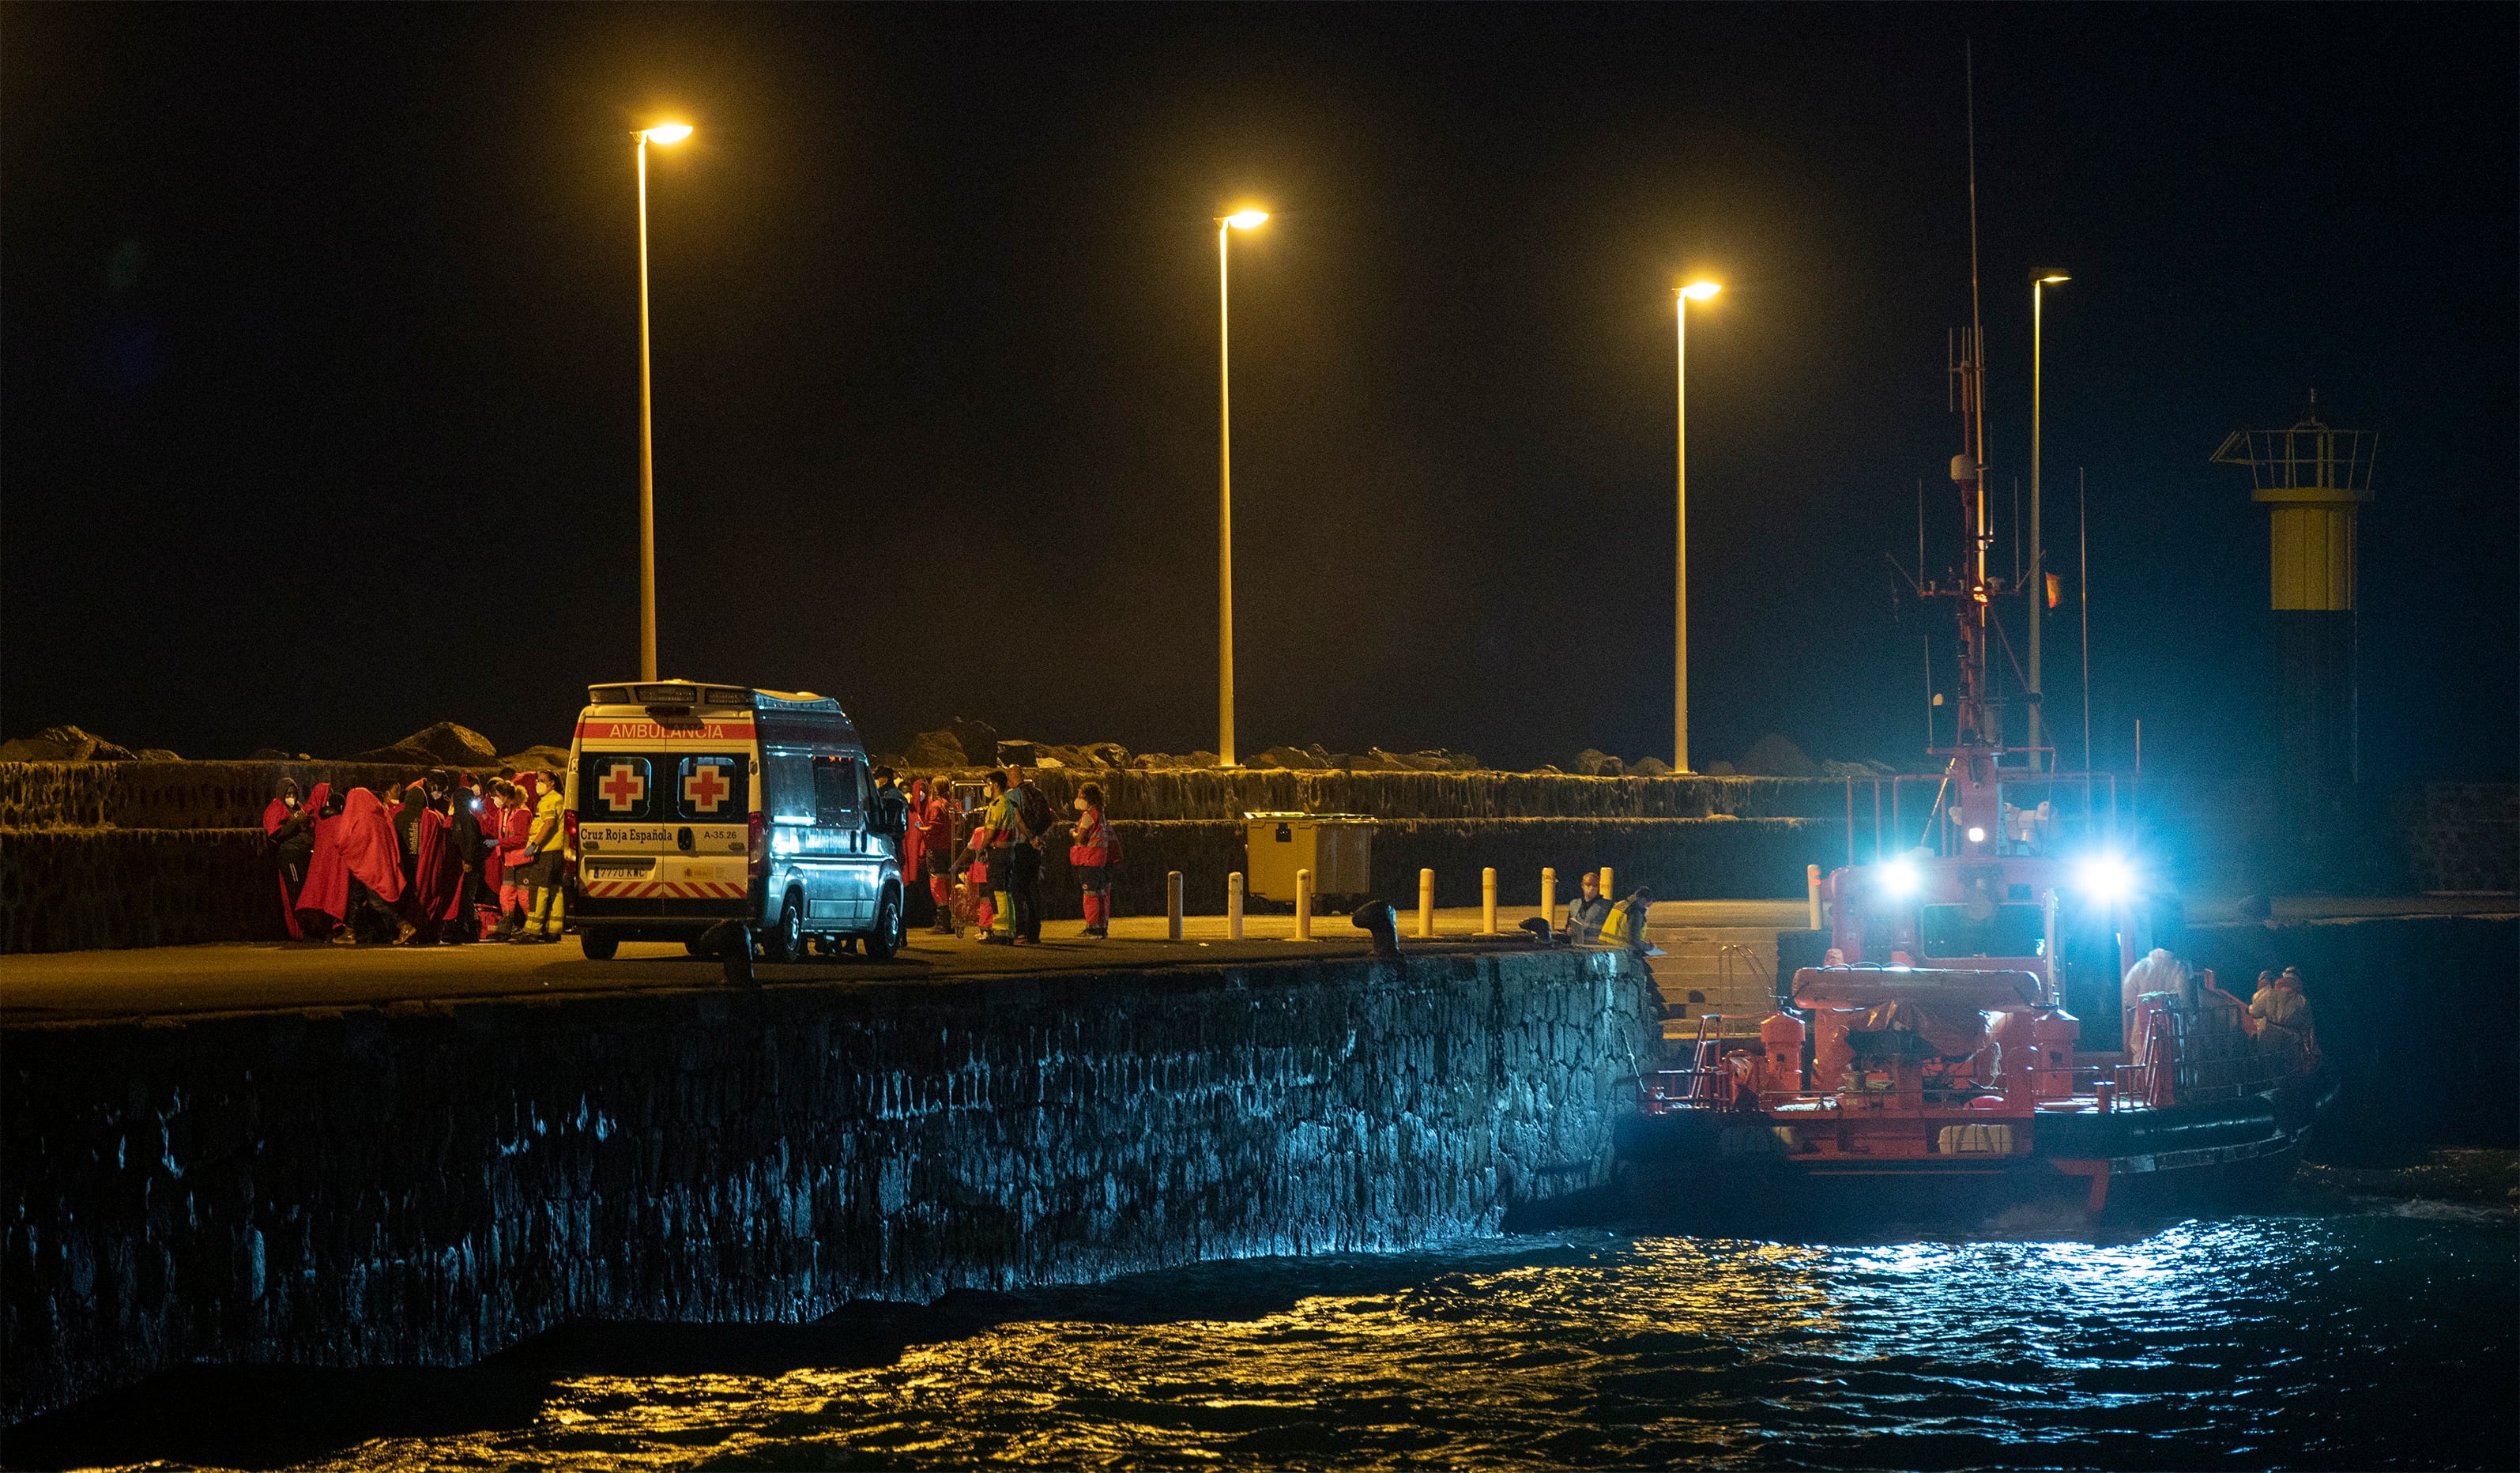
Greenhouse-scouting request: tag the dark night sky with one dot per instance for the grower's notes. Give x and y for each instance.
(318, 343)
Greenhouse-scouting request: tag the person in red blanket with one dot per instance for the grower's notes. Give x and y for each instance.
(372, 859)
(928, 859)
(437, 868)
(325, 894)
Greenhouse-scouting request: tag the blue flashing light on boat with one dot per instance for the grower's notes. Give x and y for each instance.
(2105, 878)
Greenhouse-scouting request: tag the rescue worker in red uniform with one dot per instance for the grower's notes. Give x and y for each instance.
(1092, 854)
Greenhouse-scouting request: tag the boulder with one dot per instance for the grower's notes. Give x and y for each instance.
(1773, 756)
(1321, 755)
(1415, 762)
(275, 754)
(83, 746)
(1292, 758)
(399, 755)
(159, 754)
(1547, 769)
(976, 740)
(1110, 754)
(452, 746)
(1719, 769)
(536, 759)
(933, 750)
(1592, 762)
(1649, 767)
(35, 749)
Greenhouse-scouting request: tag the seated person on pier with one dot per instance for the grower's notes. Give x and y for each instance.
(1585, 914)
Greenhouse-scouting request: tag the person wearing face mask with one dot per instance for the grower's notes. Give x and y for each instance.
(289, 828)
(1092, 853)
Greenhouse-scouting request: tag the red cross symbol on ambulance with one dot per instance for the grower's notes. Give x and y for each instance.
(705, 788)
(623, 788)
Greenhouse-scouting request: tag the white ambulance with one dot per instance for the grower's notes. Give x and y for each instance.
(734, 820)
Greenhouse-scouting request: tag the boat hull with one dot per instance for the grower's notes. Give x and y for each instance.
(1701, 1163)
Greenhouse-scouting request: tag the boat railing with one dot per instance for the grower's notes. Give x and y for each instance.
(2184, 1055)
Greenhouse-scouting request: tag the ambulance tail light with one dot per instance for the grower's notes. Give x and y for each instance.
(568, 842)
(756, 852)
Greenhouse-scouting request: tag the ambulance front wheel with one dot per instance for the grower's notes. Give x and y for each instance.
(599, 946)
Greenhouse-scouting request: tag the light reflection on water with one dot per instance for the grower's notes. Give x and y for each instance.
(2361, 1340)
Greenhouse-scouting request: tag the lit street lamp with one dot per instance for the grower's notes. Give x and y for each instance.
(2038, 549)
(1240, 220)
(663, 133)
(1693, 291)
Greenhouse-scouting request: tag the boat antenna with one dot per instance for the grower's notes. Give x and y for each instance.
(1978, 320)
(2083, 583)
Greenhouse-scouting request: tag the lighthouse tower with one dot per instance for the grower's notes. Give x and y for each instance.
(2313, 479)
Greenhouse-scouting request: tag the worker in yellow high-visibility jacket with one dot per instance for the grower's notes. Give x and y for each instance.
(1625, 926)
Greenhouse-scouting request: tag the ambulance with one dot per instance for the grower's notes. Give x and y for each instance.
(738, 821)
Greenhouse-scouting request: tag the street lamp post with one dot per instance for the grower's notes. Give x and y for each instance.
(2038, 549)
(1693, 291)
(664, 133)
(1240, 220)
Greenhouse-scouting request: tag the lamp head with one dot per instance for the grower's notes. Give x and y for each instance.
(668, 133)
(1244, 219)
(1700, 290)
(2053, 278)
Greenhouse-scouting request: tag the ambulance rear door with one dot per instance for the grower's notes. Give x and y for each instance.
(711, 788)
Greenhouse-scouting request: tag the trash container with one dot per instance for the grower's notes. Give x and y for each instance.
(1338, 847)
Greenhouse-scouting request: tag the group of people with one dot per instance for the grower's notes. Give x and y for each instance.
(991, 880)
(448, 858)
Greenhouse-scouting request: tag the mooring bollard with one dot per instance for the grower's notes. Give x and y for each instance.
(1609, 886)
(1810, 879)
(1426, 904)
(1303, 905)
(1487, 902)
(1173, 905)
(1234, 905)
(1548, 897)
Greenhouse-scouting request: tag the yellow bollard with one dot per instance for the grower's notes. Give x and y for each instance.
(1609, 886)
(1810, 879)
(1425, 904)
(1487, 902)
(1303, 905)
(1548, 897)
(1173, 905)
(1234, 905)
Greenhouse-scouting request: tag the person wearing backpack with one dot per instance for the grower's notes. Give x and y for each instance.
(1095, 850)
(1033, 821)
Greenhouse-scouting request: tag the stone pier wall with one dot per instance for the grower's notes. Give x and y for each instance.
(427, 1185)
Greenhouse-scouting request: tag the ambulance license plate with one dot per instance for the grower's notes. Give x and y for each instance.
(617, 869)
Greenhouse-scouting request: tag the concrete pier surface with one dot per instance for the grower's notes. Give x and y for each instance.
(70, 987)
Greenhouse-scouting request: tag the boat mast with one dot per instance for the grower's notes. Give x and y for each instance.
(1977, 740)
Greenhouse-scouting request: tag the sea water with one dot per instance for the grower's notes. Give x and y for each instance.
(2374, 1336)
